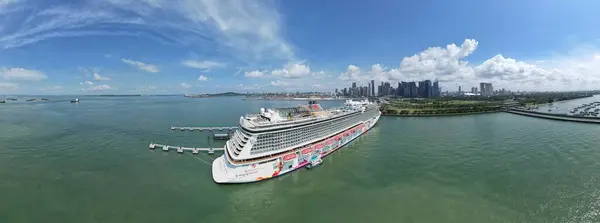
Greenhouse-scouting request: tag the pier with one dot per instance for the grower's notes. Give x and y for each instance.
(181, 149)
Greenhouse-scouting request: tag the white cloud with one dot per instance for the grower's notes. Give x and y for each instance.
(576, 70)
(203, 78)
(22, 74)
(502, 68)
(292, 71)
(185, 85)
(100, 78)
(434, 63)
(142, 66)
(202, 64)
(7, 86)
(99, 88)
(445, 64)
(249, 30)
(89, 83)
(352, 74)
(254, 74)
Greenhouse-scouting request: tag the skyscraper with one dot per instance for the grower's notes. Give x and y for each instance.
(486, 89)
(414, 91)
(482, 88)
(373, 88)
(436, 89)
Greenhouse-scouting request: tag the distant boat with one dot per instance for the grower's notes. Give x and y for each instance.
(33, 99)
(75, 101)
(44, 99)
(11, 99)
(2, 102)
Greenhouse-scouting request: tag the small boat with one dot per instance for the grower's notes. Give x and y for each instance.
(2, 102)
(75, 101)
(314, 163)
(44, 99)
(11, 99)
(33, 99)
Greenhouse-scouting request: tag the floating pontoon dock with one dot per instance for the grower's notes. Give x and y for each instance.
(181, 149)
(221, 136)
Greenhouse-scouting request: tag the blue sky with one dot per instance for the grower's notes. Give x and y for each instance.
(205, 46)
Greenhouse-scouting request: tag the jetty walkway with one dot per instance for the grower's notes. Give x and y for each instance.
(181, 149)
(230, 128)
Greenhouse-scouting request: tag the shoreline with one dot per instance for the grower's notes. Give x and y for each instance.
(438, 115)
(301, 99)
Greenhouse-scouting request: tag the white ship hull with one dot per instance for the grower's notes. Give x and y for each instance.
(224, 172)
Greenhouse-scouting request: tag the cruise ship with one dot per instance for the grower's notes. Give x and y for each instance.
(277, 141)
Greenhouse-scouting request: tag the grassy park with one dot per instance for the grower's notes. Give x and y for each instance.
(432, 107)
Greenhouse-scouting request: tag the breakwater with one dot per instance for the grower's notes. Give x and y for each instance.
(560, 117)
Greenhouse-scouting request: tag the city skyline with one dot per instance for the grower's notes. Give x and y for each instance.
(185, 47)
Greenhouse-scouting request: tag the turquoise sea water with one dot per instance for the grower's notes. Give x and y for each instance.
(90, 162)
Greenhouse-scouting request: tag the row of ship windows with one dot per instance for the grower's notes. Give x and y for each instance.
(296, 140)
(298, 136)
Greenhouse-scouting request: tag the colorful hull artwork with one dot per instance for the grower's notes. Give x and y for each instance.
(224, 172)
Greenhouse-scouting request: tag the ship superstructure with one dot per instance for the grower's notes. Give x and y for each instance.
(276, 141)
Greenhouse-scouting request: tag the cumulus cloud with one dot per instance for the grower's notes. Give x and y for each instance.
(202, 64)
(254, 74)
(577, 70)
(22, 74)
(141, 65)
(499, 67)
(100, 78)
(444, 64)
(7, 86)
(249, 30)
(352, 73)
(292, 71)
(203, 78)
(185, 85)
